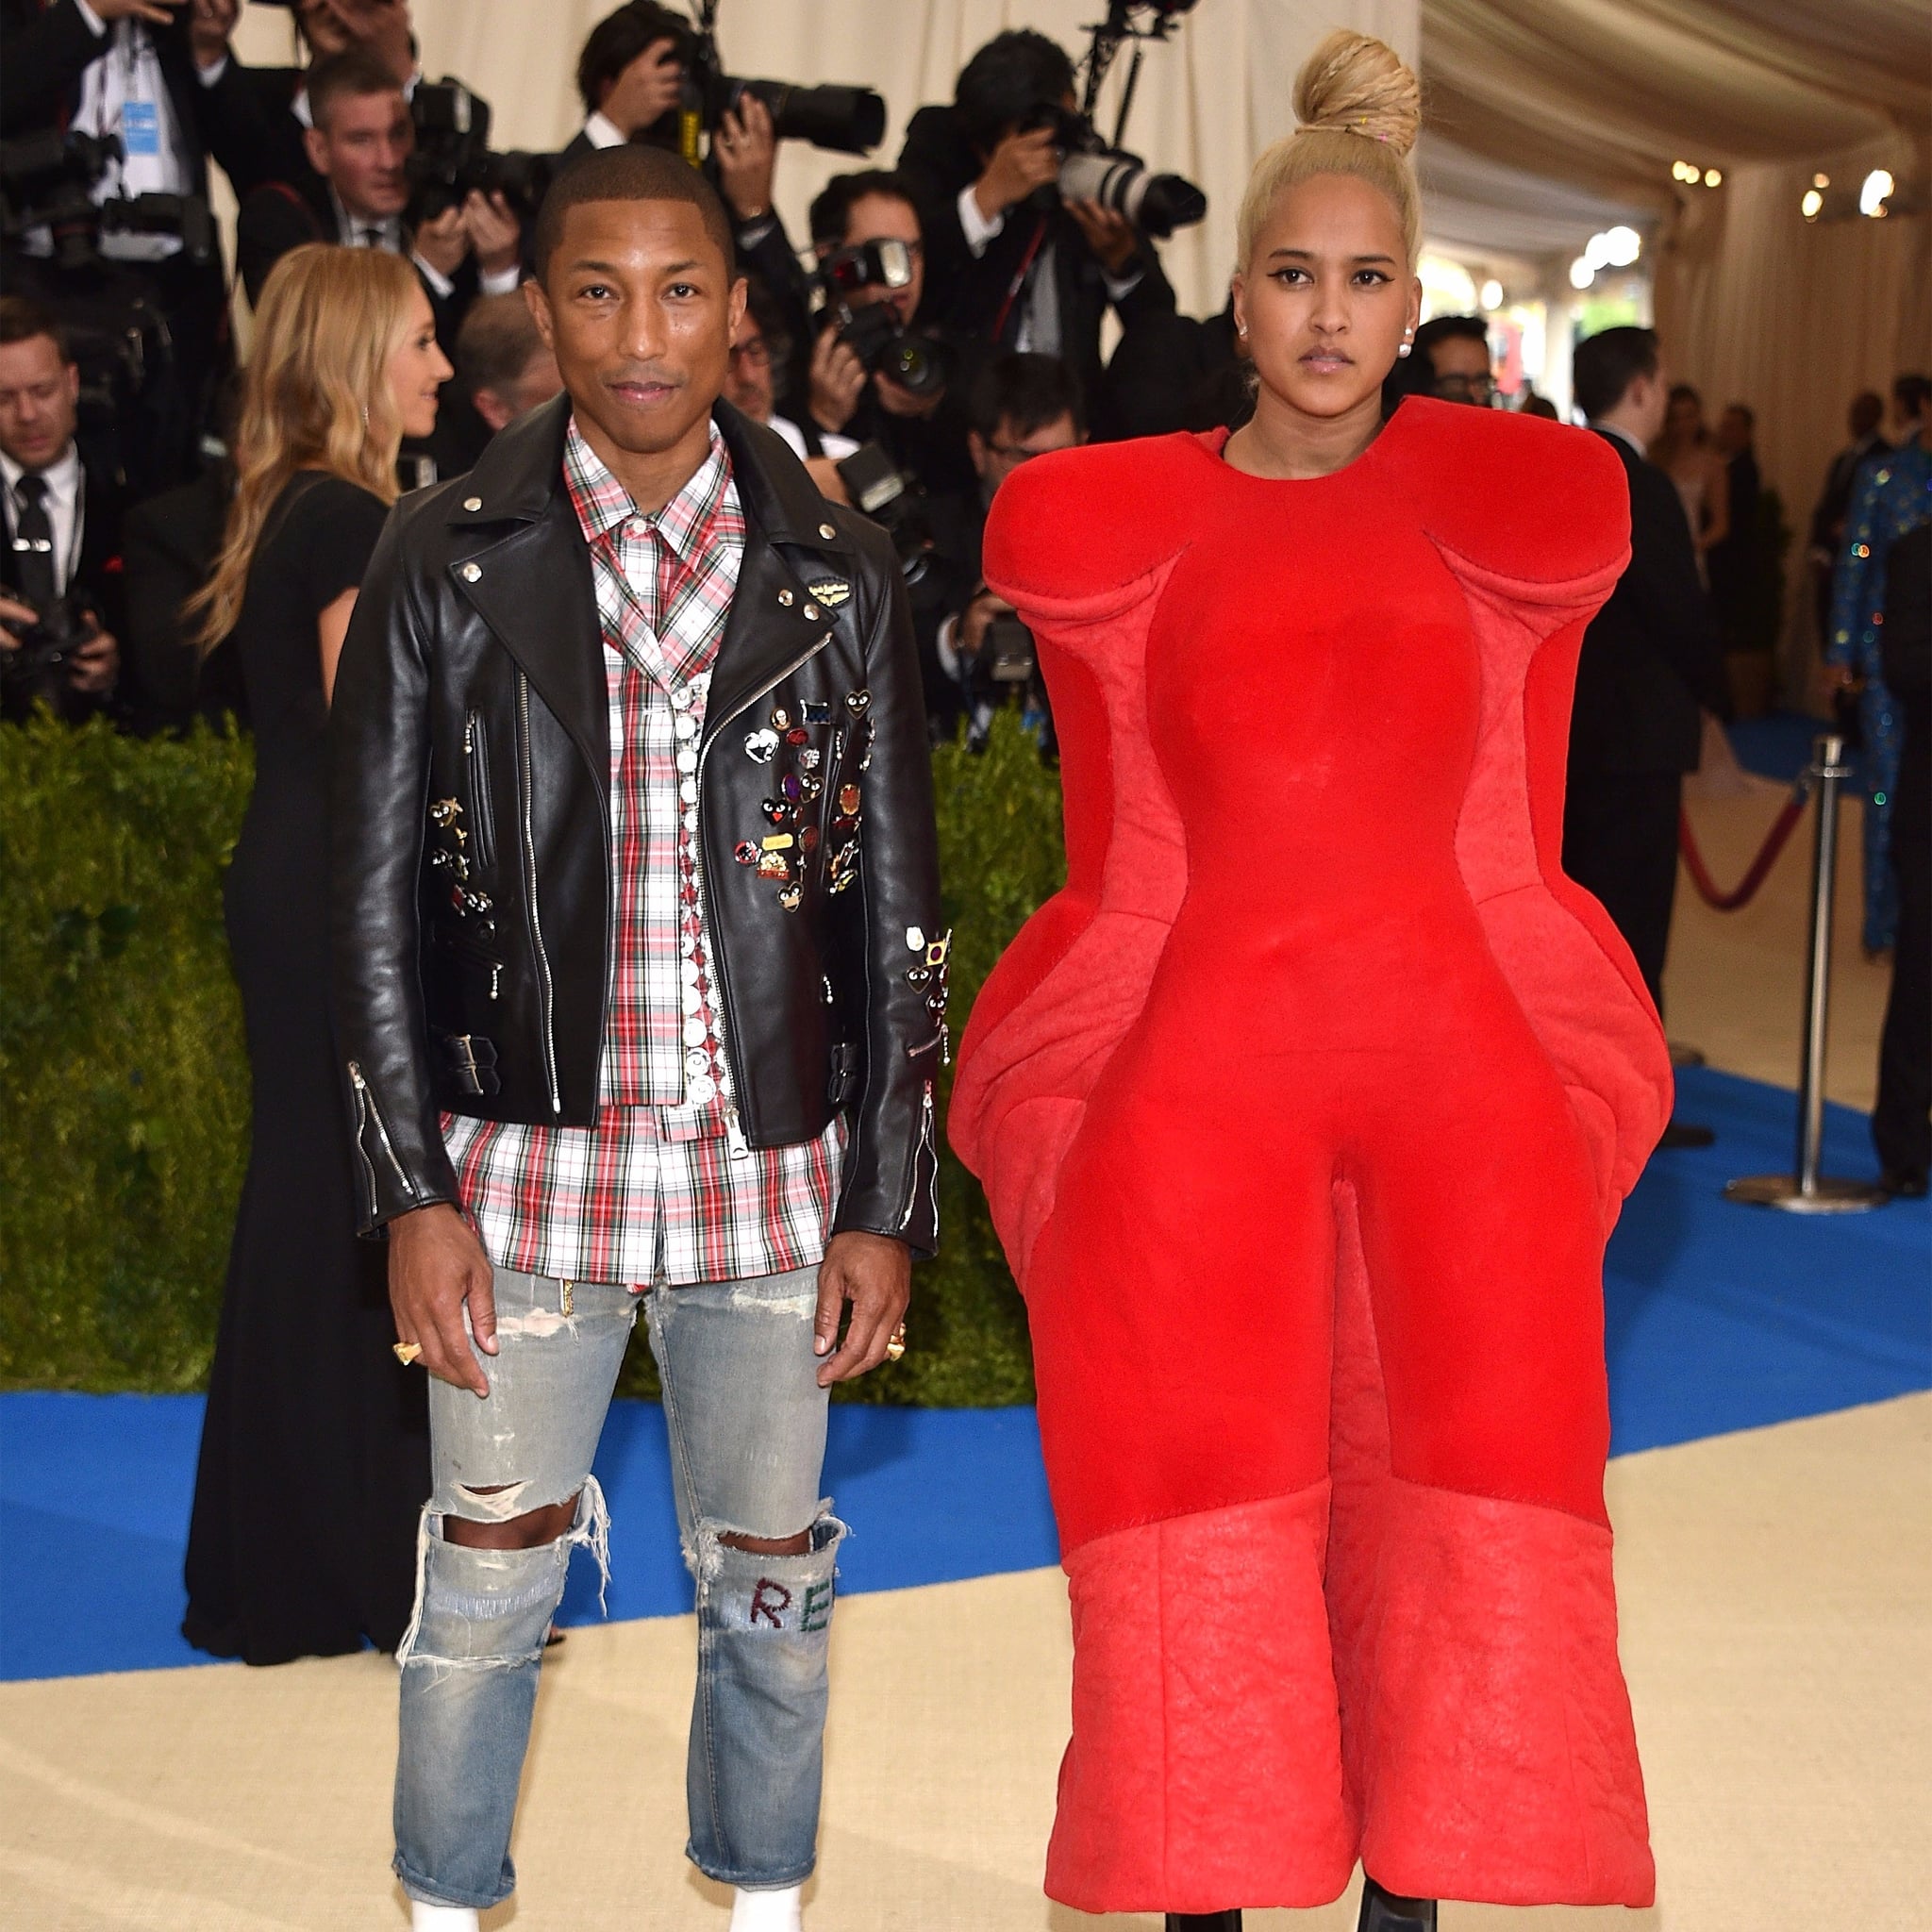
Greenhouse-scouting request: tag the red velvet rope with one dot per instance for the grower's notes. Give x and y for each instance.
(1776, 839)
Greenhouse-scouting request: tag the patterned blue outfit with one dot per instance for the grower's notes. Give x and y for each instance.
(1891, 496)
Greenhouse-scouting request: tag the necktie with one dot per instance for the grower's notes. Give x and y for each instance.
(372, 238)
(33, 543)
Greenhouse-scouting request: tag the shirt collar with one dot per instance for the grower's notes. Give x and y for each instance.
(603, 502)
(63, 474)
(602, 132)
(350, 227)
(1622, 436)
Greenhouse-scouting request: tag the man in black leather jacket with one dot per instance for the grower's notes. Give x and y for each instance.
(639, 980)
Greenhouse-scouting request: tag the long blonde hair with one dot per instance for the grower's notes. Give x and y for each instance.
(315, 396)
(1359, 111)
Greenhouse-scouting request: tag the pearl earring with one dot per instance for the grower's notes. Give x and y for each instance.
(1402, 349)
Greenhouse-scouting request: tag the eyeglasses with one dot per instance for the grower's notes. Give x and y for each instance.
(757, 351)
(1016, 452)
(1465, 389)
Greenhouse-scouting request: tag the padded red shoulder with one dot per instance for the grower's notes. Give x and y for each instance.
(1073, 533)
(1535, 501)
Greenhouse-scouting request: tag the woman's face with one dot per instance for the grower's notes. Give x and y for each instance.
(1684, 421)
(417, 369)
(1326, 294)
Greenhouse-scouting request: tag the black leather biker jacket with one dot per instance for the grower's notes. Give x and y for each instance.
(471, 832)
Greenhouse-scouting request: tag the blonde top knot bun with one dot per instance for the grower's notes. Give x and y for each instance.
(1353, 84)
(1361, 112)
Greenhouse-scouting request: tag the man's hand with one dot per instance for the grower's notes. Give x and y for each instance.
(92, 667)
(874, 1273)
(435, 1264)
(838, 380)
(156, 12)
(15, 617)
(747, 154)
(1020, 164)
(647, 91)
(211, 23)
(443, 242)
(382, 27)
(968, 636)
(825, 473)
(493, 232)
(897, 400)
(1110, 236)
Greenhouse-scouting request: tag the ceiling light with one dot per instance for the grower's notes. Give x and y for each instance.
(1812, 202)
(1713, 177)
(1622, 246)
(1492, 293)
(1582, 271)
(1875, 193)
(1683, 171)
(1598, 253)
(1821, 180)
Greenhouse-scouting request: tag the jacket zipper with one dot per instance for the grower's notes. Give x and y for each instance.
(734, 1128)
(481, 816)
(925, 1147)
(366, 1111)
(526, 790)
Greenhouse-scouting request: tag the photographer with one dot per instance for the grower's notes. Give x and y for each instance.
(1021, 405)
(1009, 262)
(503, 366)
(356, 192)
(59, 572)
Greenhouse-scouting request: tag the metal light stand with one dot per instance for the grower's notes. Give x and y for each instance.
(1807, 1191)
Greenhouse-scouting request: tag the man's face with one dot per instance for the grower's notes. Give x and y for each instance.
(363, 151)
(1732, 432)
(640, 312)
(38, 394)
(1461, 370)
(748, 377)
(1649, 401)
(997, 461)
(320, 27)
(886, 218)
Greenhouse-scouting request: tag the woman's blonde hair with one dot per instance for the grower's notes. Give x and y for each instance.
(1359, 111)
(315, 396)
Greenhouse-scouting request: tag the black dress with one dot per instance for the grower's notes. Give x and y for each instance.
(314, 1453)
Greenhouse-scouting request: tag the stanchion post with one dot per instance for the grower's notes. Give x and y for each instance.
(1806, 1190)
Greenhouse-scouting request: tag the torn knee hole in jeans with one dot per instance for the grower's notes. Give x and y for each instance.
(717, 1543)
(496, 1502)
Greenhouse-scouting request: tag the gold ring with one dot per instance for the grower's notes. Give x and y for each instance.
(896, 1347)
(407, 1352)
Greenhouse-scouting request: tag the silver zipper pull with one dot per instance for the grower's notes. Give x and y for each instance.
(356, 1079)
(734, 1136)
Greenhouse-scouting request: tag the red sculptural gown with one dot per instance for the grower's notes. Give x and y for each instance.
(1303, 1112)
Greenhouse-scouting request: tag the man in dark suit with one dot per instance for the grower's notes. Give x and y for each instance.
(62, 519)
(1867, 417)
(1007, 261)
(1651, 660)
(1735, 563)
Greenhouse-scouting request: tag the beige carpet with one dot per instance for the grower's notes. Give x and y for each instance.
(1777, 1604)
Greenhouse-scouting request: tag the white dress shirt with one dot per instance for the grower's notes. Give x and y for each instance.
(64, 504)
(1041, 330)
(386, 232)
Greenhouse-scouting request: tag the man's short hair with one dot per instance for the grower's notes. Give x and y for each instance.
(495, 343)
(1025, 390)
(630, 174)
(830, 218)
(355, 74)
(1868, 407)
(1606, 364)
(22, 319)
(1014, 73)
(1445, 328)
(768, 316)
(1911, 393)
(618, 39)
(1743, 409)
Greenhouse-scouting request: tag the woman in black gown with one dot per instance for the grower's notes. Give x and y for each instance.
(314, 1453)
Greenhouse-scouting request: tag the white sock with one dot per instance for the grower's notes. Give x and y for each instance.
(767, 1911)
(424, 1917)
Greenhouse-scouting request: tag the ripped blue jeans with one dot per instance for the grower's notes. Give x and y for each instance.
(747, 1427)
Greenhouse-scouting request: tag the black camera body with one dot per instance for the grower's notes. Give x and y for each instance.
(882, 343)
(843, 120)
(882, 490)
(453, 158)
(47, 180)
(1156, 205)
(58, 630)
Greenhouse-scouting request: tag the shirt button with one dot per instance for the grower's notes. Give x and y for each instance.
(687, 759)
(689, 792)
(694, 1033)
(686, 726)
(702, 1090)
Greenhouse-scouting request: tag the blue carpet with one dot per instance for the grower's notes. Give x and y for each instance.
(1720, 1318)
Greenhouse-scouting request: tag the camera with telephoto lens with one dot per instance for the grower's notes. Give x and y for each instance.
(453, 158)
(47, 181)
(881, 342)
(1156, 205)
(882, 490)
(845, 120)
(58, 631)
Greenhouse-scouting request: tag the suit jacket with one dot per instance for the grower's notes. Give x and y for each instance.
(1652, 655)
(169, 543)
(1835, 499)
(249, 127)
(96, 581)
(964, 295)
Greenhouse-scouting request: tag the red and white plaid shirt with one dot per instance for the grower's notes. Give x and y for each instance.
(653, 1191)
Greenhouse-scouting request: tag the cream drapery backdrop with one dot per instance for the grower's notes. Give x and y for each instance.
(1208, 100)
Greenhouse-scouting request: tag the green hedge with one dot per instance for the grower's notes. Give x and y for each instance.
(124, 1083)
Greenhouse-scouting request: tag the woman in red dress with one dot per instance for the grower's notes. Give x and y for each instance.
(1305, 1108)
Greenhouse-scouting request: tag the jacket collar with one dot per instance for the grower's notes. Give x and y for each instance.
(520, 474)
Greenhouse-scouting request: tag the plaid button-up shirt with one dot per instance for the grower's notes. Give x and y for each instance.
(654, 1191)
